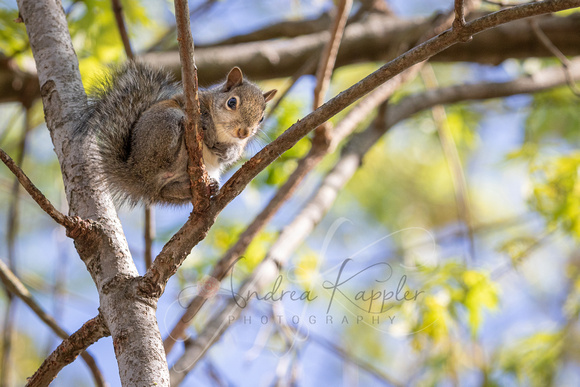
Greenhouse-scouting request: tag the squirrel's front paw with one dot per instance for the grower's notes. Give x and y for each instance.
(214, 187)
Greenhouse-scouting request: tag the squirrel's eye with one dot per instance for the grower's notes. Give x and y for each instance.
(261, 119)
(232, 103)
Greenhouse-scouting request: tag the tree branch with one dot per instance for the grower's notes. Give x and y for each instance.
(129, 314)
(68, 350)
(326, 67)
(459, 8)
(313, 211)
(11, 234)
(199, 179)
(74, 225)
(118, 11)
(557, 53)
(378, 38)
(17, 288)
(375, 39)
(175, 251)
(453, 159)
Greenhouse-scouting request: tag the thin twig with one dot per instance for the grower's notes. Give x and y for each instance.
(69, 222)
(196, 12)
(326, 64)
(12, 227)
(459, 21)
(193, 135)
(118, 11)
(449, 148)
(557, 53)
(525, 253)
(149, 233)
(149, 212)
(502, 4)
(349, 357)
(306, 68)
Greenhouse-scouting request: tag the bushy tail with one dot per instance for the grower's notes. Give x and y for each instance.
(114, 107)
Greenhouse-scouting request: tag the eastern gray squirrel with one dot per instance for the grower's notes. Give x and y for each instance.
(137, 118)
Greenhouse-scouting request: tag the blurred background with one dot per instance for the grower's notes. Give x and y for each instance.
(472, 208)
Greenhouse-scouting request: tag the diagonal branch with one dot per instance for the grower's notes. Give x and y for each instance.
(74, 225)
(68, 350)
(314, 210)
(557, 53)
(418, 54)
(17, 288)
(175, 251)
(118, 11)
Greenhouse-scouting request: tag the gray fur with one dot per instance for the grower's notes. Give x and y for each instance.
(136, 116)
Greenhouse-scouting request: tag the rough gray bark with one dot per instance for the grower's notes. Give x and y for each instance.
(130, 316)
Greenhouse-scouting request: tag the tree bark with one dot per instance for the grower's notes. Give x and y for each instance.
(129, 315)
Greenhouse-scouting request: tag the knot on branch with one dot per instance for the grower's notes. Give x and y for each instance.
(149, 285)
(458, 27)
(76, 227)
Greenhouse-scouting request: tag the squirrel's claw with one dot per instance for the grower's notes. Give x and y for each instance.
(214, 187)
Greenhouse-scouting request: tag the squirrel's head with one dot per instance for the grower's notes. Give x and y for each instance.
(239, 107)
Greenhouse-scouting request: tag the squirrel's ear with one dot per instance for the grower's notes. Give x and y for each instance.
(235, 78)
(270, 94)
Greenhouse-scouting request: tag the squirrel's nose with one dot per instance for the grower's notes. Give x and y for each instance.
(243, 133)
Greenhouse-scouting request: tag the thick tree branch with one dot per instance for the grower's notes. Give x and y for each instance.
(378, 38)
(129, 315)
(314, 210)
